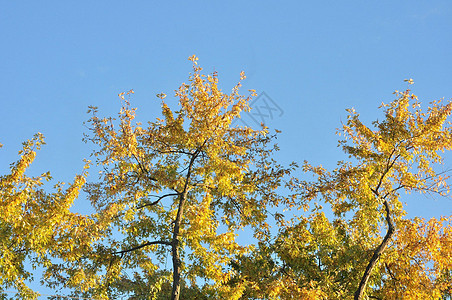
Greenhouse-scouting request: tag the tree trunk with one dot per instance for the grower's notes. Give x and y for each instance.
(373, 261)
(175, 294)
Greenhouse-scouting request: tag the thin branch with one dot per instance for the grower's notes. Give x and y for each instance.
(393, 190)
(395, 280)
(174, 152)
(389, 165)
(237, 206)
(143, 169)
(144, 245)
(157, 201)
(170, 151)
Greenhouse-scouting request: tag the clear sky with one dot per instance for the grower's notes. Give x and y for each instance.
(313, 59)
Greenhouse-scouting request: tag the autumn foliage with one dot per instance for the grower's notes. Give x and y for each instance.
(173, 196)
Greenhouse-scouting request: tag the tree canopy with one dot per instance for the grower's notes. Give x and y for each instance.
(173, 197)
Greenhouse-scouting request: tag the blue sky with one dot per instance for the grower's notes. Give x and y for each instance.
(313, 59)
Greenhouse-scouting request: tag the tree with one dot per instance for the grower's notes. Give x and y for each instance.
(31, 220)
(182, 188)
(17, 220)
(183, 185)
(367, 248)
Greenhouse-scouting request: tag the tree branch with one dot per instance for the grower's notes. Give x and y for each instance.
(143, 169)
(156, 201)
(377, 253)
(391, 229)
(144, 245)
